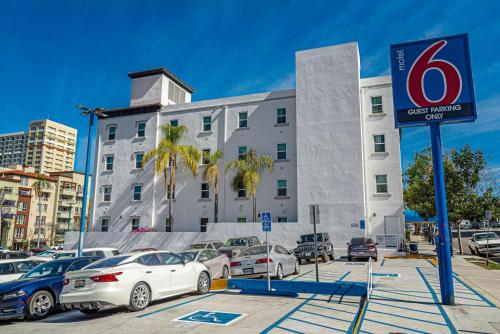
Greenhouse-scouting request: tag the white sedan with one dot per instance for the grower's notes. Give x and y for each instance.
(132, 280)
(12, 269)
(480, 243)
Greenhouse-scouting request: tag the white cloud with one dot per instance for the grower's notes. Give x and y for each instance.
(287, 82)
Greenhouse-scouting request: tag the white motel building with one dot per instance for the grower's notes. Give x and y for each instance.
(332, 139)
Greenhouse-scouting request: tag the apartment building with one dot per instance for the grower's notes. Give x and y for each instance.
(332, 139)
(9, 190)
(12, 148)
(50, 147)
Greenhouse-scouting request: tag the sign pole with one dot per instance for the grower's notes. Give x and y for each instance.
(267, 262)
(266, 227)
(315, 243)
(443, 246)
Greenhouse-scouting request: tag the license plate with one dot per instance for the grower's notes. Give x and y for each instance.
(308, 254)
(79, 283)
(248, 271)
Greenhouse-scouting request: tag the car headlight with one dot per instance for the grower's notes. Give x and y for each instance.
(14, 294)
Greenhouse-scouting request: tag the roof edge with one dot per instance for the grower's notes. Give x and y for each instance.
(164, 71)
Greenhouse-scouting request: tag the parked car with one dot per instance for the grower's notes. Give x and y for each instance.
(36, 293)
(132, 280)
(141, 250)
(305, 248)
(8, 254)
(234, 246)
(216, 262)
(465, 224)
(209, 244)
(484, 242)
(362, 248)
(13, 269)
(99, 252)
(253, 262)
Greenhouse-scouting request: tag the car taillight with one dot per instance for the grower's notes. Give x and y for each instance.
(264, 260)
(235, 264)
(66, 281)
(349, 247)
(106, 277)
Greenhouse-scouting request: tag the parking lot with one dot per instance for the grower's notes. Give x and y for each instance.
(405, 299)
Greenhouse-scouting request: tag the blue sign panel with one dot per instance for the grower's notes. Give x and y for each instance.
(432, 81)
(362, 224)
(266, 222)
(211, 317)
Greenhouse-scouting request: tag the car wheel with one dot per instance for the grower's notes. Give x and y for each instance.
(297, 268)
(324, 258)
(375, 259)
(139, 297)
(332, 257)
(40, 305)
(279, 272)
(203, 285)
(225, 272)
(308, 261)
(299, 260)
(349, 258)
(472, 250)
(89, 310)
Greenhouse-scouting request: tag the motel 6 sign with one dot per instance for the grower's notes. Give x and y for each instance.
(432, 81)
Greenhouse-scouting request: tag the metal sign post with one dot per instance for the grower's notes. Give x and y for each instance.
(266, 227)
(432, 85)
(314, 216)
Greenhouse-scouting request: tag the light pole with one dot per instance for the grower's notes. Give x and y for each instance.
(92, 113)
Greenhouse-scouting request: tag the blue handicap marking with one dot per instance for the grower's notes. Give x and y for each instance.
(266, 222)
(211, 317)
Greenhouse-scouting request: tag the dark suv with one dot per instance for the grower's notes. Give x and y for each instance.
(305, 248)
(362, 248)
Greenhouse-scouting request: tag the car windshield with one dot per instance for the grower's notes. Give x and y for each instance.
(198, 246)
(105, 263)
(188, 256)
(236, 242)
(65, 255)
(486, 236)
(254, 250)
(310, 238)
(48, 269)
(360, 241)
(47, 253)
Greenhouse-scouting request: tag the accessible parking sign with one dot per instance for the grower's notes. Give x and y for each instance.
(432, 81)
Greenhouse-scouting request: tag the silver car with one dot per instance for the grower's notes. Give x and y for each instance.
(216, 262)
(253, 262)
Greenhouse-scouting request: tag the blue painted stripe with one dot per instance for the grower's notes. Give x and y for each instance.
(403, 294)
(360, 317)
(176, 305)
(331, 308)
(324, 316)
(392, 290)
(438, 304)
(286, 316)
(307, 272)
(487, 301)
(405, 308)
(432, 264)
(382, 263)
(319, 325)
(409, 318)
(289, 330)
(412, 330)
(344, 276)
(386, 275)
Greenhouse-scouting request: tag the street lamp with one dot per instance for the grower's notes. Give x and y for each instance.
(92, 113)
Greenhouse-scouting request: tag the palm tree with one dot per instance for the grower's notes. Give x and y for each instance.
(248, 175)
(211, 176)
(166, 155)
(39, 187)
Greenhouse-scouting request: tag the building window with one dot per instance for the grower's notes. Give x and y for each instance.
(207, 123)
(109, 163)
(381, 181)
(8, 190)
(377, 104)
(205, 190)
(135, 223)
(282, 187)
(242, 150)
(205, 157)
(281, 151)
(282, 219)
(379, 141)
(174, 122)
(106, 193)
(21, 206)
(112, 132)
(141, 129)
(173, 192)
(138, 160)
(243, 120)
(242, 192)
(203, 224)
(242, 219)
(21, 219)
(24, 181)
(19, 233)
(137, 192)
(281, 116)
(104, 224)
(168, 225)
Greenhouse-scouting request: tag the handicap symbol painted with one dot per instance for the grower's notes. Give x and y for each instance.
(211, 317)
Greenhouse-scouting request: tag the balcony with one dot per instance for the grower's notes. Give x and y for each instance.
(68, 191)
(66, 203)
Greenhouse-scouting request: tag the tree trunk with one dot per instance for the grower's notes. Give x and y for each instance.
(171, 194)
(459, 237)
(216, 209)
(254, 198)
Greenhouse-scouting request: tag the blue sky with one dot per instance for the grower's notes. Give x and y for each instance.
(56, 54)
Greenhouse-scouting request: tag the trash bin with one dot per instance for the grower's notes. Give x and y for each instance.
(413, 247)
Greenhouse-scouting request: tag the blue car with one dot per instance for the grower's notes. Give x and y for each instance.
(36, 293)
